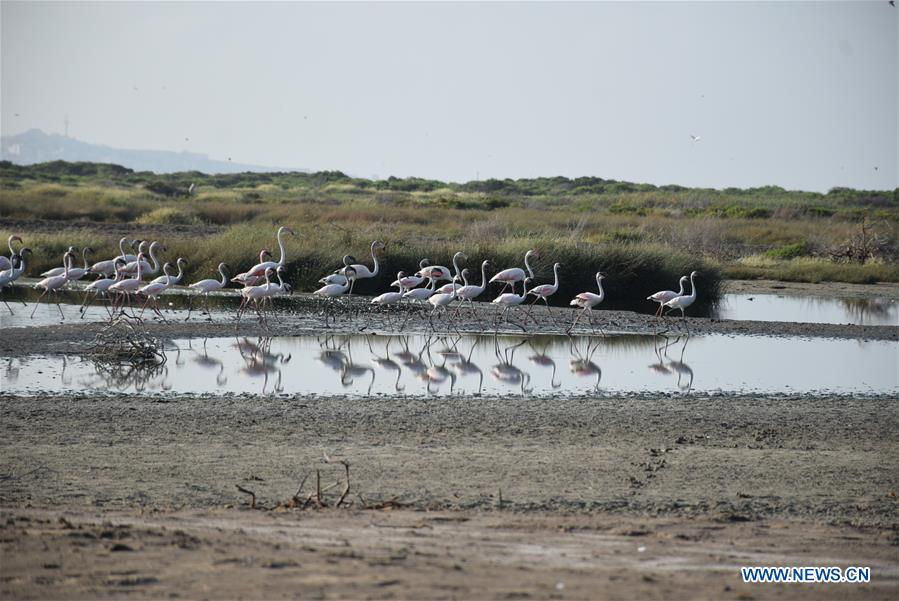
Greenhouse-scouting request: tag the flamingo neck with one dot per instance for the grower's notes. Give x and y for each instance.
(224, 277)
(692, 288)
(483, 276)
(456, 264)
(374, 259)
(281, 247)
(180, 271)
(84, 256)
(153, 257)
(527, 264)
(681, 291)
(602, 293)
(9, 243)
(556, 276)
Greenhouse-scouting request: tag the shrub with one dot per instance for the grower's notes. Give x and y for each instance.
(790, 251)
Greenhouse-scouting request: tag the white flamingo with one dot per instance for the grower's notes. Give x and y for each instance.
(51, 273)
(52, 284)
(459, 280)
(246, 279)
(17, 268)
(260, 268)
(663, 296)
(107, 268)
(123, 289)
(440, 301)
(544, 291)
(255, 294)
(391, 298)
(363, 272)
(146, 267)
(683, 301)
(172, 280)
(204, 287)
(101, 286)
(510, 299)
(470, 292)
(420, 295)
(337, 277)
(335, 290)
(509, 277)
(154, 289)
(411, 281)
(6, 264)
(588, 300)
(439, 273)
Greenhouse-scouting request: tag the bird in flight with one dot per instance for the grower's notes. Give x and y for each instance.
(892, 3)
(695, 138)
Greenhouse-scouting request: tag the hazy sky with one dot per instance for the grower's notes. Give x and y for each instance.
(803, 95)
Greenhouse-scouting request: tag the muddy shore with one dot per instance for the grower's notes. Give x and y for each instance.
(648, 496)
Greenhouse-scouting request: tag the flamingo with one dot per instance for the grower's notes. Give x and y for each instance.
(419, 295)
(53, 284)
(588, 300)
(508, 277)
(363, 272)
(102, 285)
(411, 281)
(127, 286)
(510, 299)
(255, 293)
(455, 284)
(170, 281)
(663, 296)
(683, 301)
(6, 264)
(546, 290)
(335, 290)
(260, 268)
(440, 300)
(17, 268)
(154, 289)
(391, 298)
(76, 273)
(439, 272)
(107, 268)
(50, 273)
(337, 277)
(469, 292)
(204, 287)
(148, 269)
(246, 278)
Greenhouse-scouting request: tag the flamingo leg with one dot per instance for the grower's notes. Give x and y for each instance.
(58, 306)
(37, 303)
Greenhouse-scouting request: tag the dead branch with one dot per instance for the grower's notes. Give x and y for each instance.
(249, 492)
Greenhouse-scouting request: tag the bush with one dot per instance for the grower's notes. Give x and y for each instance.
(168, 216)
(790, 251)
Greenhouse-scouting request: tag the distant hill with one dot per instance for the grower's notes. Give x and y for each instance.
(35, 146)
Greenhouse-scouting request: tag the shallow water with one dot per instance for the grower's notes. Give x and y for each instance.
(542, 365)
(759, 307)
(808, 309)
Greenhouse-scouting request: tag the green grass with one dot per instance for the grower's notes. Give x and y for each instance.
(645, 236)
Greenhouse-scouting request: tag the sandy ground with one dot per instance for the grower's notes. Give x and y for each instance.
(649, 496)
(705, 484)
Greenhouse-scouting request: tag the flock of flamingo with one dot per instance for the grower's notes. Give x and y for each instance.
(122, 277)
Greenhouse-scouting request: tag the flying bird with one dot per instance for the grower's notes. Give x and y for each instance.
(695, 138)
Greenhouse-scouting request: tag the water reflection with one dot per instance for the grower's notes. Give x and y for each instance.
(475, 365)
(808, 309)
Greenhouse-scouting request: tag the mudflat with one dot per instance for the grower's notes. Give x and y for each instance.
(503, 497)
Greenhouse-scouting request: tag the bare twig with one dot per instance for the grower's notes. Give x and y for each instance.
(249, 492)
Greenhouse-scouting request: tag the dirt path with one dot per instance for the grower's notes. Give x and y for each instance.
(338, 554)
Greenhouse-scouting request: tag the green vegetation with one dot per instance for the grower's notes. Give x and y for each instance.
(644, 236)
